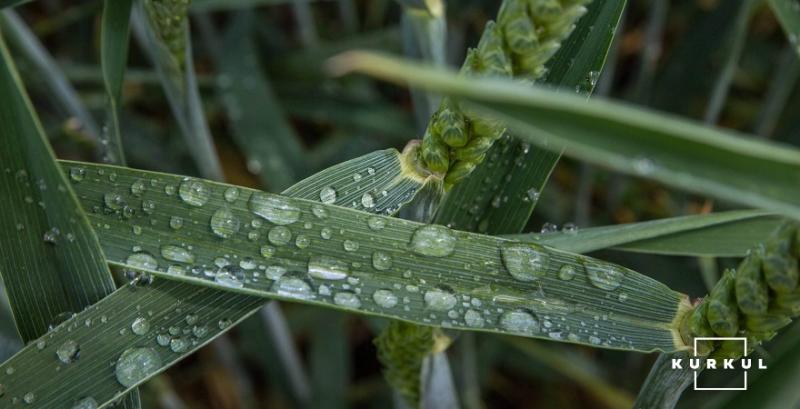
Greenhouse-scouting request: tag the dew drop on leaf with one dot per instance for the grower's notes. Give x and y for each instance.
(525, 262)
(267, 251)
(474, 319)
(367, 200)
(224, 223)
(140, 326)
(350, 245)
(604, 276)
(175, 222)
(113, 200)
(86, 403)
(142, 260)
(231, 194)
(347, 299)
(376, 223)
(327, 195)
(279, 235)
(178, 254)
(194, 192)
(384, 298)
(519, 321)
(433, 240)
(440, 299)
(68, 351)
(327, 268)
(567, 272)
(293, 287)
(137, 187)
(135, 365)
(77, 174)
(276, 209)
(381, 261)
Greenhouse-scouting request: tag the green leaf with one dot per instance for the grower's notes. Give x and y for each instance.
(663, 387)
(724, 234)
(50, 259)
(676, 152)
(260, 127)
(499, 196)
(171, 54)
(789, 16)
(114, 39)
(11, 3)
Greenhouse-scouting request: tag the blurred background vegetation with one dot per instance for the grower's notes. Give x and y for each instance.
(276, 117)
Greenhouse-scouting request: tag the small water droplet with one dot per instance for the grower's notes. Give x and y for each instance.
(367, 200)
(433, 240)
(224, 223)
(267, 251)
(194, 192)
(276, 209)
(327, 195)
(385, 298)
(135, 365)
(68, 351)
(440, 299)
(567, 272)
(474, 319)
(178, 254)
(140, 326)
(142, 260)
(229, 276)
(86, 403)
(279, 235)
(376, 223)
(231, 194)
(137, 187)
(525, 262)
(293, 287)
(519, 321)
(29, 398)
(350, 245)
(381, 261)
(77, 174)
(113, 200)
(175, 222)
(327, 268)
(604, 276)
(347, 299)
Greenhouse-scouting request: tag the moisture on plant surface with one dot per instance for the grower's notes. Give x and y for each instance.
(399, 204)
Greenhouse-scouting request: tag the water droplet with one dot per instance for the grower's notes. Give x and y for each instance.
(347, 299)
(142, 260)
(137, 187)
(569, 228)
(350, 245)
(326, 233)
(140, 326)
(604, 276)
(267, 251)
(169, 190)
(224, 224)
(567, 272)
(29, 398)
(533, 194)
(275, 272)
(86, 403)
(51, 236)
(293, 287)
(175, 222)
(248, 263)
(135, 365)
(279, 235)
(229, 276)
(77, 174)
(433, 240)
(194, 192)
(319, 211)
(367, 200)
(178, 345)
(178, 254)
(327, 268)
(327, 195)
(440, 299)
(519, 321)
(276, 209)
(381, 260)
(384, 298)
(148, 206)
(68, 351)
(376, 223)
(113, 200)
(474, 319)
(623, 297)
(525, 262)
(137, 230)
(231, 194)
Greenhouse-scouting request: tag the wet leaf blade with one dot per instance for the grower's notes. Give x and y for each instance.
(789, 17)
(114, 39)
(499, 196)
(50, 259)
(724, 234)
(676, 152)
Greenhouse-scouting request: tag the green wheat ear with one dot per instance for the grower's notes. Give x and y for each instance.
(756, 300)
(525, 36)
(401, 350)
(168, 18)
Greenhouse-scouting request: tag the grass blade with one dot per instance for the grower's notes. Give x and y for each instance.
(789, 16)
(50, 259)
(517, 171)
(724, 234)
(114, 39)
(176, 73)
(20, 36)
(663, 386)
(11, 3)
(676, 152)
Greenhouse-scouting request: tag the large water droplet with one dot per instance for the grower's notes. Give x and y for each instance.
(279, 235)
(433, 240)
(224, 224)
(293, 287)
(194, 192)
(327, 268)
(519, 321)
(525, 262)
(440, 299)
(175, 253)
(327, 195)
(140, 326)
(604, 276)
(86, 403)
(276, 209)
(68, 351)
(135, 365)
(142, 260)
(384, 298)
(381, 260)
(347, 299)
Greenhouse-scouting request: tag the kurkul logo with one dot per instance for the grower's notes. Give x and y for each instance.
(698, 363)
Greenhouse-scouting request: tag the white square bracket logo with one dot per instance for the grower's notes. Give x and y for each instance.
(744, 354)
